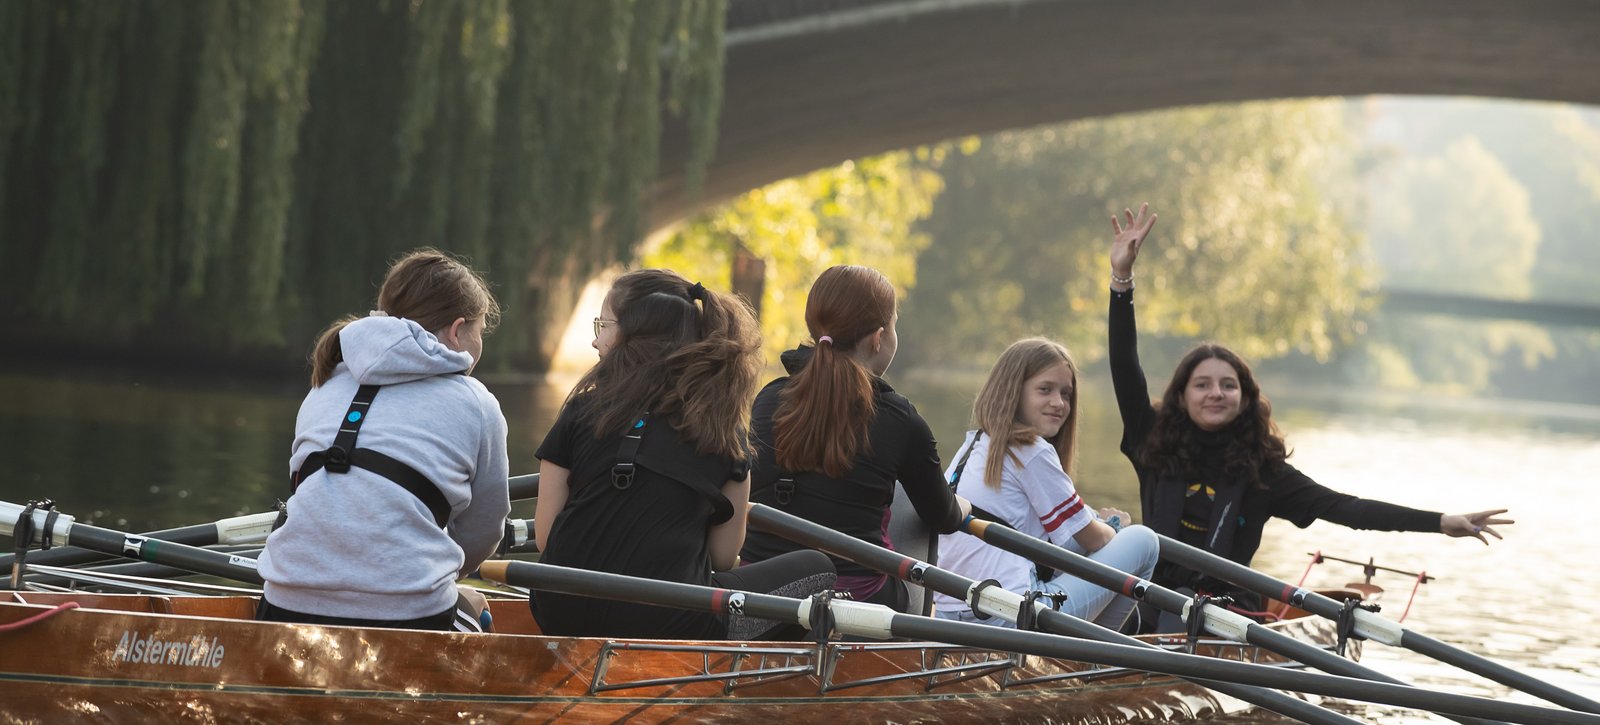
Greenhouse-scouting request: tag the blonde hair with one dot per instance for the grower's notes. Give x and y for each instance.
(996, 411)
(426, 286)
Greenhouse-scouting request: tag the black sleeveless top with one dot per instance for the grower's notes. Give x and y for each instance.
(654, 528)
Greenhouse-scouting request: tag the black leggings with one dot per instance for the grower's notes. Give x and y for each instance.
(797, 574)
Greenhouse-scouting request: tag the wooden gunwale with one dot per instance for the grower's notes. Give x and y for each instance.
(69, 667)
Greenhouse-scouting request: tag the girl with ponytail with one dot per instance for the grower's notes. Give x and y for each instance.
(399, 464)
(646, 470)
(832, 438)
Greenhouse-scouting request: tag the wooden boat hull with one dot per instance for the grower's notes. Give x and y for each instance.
(124, 658)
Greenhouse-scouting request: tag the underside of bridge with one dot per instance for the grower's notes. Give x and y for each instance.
(813, 82)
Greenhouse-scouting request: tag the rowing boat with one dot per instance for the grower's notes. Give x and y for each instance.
(122, 657)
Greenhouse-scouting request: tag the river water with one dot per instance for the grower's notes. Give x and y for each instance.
(136, 451)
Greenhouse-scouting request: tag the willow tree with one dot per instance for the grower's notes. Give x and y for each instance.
(226, 177)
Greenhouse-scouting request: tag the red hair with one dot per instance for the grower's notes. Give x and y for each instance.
(825, 410)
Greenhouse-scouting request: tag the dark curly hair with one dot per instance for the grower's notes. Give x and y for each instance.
(1254, 443)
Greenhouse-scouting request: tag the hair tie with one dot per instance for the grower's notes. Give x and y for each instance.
(697, 292)
(377, 313)
(823, 339)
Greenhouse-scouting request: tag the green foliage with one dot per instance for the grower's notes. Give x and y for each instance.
(1454, 212)
(218, 176)
(860, 212)
(1249, 248)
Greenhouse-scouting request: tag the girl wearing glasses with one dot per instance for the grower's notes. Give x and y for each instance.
(646, 470)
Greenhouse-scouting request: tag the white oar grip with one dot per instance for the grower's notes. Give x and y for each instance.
(1221, 622)
(251, 529)
(997, 602)
(1377, 628)
(11, 513)
(521, 531)
(858, 619)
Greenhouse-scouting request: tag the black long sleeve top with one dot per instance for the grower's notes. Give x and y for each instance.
(1168, 501)
(900, 448)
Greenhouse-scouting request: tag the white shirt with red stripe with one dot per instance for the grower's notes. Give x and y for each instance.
(1035, 497)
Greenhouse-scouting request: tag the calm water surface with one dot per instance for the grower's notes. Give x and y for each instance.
(134, 451)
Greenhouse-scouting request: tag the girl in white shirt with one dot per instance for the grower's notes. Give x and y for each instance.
(1029, 404)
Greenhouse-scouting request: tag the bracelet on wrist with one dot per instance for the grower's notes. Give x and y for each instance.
(1121, 280)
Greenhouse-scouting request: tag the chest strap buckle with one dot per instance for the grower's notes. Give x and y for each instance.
(622, 476)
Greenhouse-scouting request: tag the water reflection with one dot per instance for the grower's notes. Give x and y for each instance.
(144, 454)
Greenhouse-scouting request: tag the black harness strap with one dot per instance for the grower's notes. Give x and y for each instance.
(343, 454)
(627, 454)
(783, 491)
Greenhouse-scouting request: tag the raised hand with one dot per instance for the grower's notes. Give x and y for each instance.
(1474, 525)
(1130, 234)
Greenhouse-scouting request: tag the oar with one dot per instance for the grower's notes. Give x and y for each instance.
(139, 584)
(250, 529)
(52, 575)
(1001, 603)
(1368, 624)
(132, 546)
(1217, 620)
(880, 622)
(523, 487)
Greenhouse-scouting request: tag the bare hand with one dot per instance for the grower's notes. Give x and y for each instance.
(1129, 237)
(1474, 525)
(1123, 517)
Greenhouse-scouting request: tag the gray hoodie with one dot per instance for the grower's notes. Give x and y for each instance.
(357, 544)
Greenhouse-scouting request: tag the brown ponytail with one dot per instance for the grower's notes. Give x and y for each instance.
(826, 408)
(426, 286)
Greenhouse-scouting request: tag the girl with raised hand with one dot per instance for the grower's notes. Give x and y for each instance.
(646, 470)
(832, 438)
(1024, 449)
(1211, 462)
(399, 461)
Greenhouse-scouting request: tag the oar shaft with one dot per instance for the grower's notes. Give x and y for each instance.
(1368, 624)
(1218, 621)
(523, 487)
(879, 622)
(248, 529)
(819, 537)
(133, 546)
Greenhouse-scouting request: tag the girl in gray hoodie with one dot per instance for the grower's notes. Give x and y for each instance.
(399, 460)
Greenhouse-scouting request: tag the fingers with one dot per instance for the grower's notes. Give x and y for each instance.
(1116, 227)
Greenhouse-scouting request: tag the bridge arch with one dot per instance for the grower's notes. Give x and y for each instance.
(813, 82)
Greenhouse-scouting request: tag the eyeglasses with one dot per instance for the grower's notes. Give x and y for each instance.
(600, 324)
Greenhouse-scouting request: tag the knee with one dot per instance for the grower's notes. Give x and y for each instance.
(812, 561)
(1143, 540)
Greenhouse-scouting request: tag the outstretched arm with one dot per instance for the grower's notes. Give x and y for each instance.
(1473, 524)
